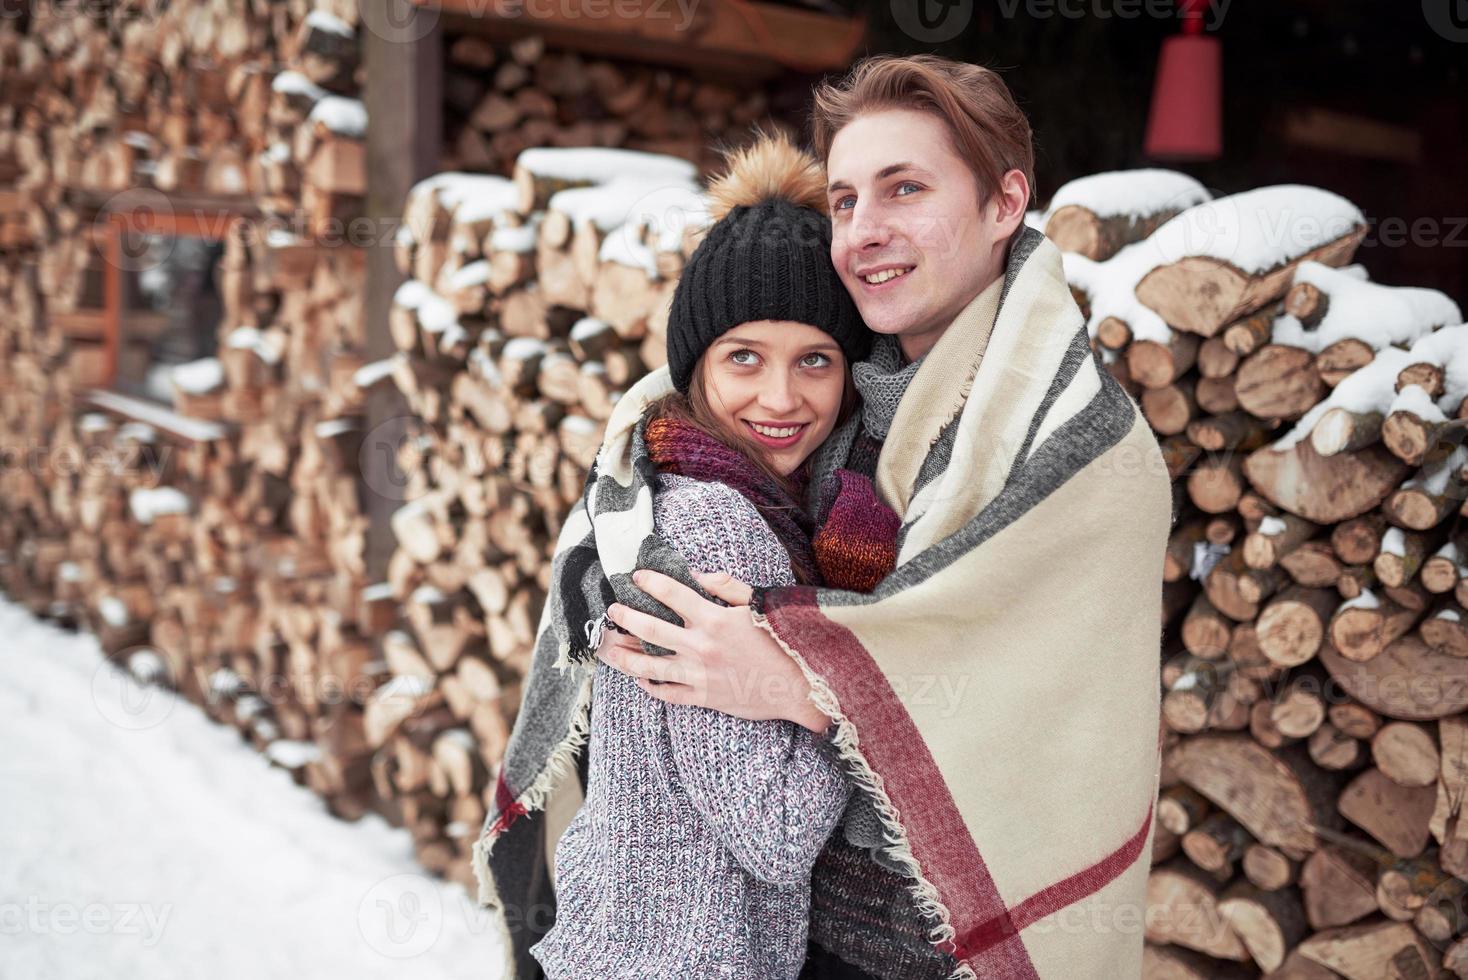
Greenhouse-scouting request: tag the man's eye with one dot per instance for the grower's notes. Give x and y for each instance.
(907, 183)
(845, 203)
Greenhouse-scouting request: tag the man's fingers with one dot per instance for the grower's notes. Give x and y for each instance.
(671, 693)
(641, 665)
(655, 631)
(673, 594)
(726, 587)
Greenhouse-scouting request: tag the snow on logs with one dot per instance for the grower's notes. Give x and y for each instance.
(1316, 657)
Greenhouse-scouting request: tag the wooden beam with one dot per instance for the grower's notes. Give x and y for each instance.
(744, 38)
(403, 53)
(180, 427)
(1353, 135)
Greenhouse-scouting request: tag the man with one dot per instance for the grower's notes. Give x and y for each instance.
(995, 698)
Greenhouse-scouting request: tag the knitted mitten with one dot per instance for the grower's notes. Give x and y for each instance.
(856, 546)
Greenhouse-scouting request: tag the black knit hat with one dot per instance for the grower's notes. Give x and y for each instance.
(767, 257)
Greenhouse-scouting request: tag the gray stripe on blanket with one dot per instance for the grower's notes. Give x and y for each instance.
(1077, 442)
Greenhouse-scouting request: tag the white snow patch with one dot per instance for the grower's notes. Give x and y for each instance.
(294, 83)
(266, 348)
(113, 611)
(1415, 400)
(106, 776)
(1378, 315)
(1135, 193)
(1254, 231)
(343, 116)
(588, 327)
(150, 503)
(523, 348)
(324, 21)
(1371, 388)
(520, 238)
(474, 274)
(198, 377)
(1270, 526)
(600, 165)
(370, 374)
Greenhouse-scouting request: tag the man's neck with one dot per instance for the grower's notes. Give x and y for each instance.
(916, 344)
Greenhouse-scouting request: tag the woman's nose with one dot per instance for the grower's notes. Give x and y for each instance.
(780, 395)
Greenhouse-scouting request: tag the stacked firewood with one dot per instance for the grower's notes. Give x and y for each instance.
(531, 303)
(506, 98)
(1316, 671)
(190, 111)
(215, 545)
(218, 547)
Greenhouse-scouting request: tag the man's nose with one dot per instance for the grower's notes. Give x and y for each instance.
(868, 226)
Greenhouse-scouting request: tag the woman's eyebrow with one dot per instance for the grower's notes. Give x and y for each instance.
(741, 341)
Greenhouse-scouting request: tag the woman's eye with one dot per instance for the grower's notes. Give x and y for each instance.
(744, 357)
(907, 183)
(815, 360)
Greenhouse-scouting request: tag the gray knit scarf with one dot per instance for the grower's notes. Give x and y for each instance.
(881, 380)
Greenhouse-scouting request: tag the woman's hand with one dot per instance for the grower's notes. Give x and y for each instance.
(724, 662)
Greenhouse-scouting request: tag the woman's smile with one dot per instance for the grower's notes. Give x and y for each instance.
(776, 435)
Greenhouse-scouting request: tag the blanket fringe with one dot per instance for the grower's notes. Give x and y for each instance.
(561, 762)
(899, 850)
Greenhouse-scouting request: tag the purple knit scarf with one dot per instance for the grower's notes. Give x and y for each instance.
(676, 446)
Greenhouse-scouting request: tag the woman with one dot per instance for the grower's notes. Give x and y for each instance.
(692, 853)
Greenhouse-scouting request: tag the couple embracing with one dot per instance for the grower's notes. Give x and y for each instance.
(849, 665)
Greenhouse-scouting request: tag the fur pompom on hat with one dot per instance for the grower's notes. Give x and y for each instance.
(767, 257)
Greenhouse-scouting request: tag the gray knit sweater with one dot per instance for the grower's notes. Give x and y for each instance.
(692, 854)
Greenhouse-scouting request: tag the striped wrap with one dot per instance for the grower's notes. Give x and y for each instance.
(996, 697)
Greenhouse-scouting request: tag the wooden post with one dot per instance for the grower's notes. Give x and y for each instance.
(403, 50)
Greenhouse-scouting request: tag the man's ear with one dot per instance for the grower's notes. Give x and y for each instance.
(1010, 200)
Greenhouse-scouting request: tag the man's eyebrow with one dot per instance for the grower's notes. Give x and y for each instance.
(895, 168)
(883, 174)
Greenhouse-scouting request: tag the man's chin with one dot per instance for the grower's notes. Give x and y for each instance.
(888, 322)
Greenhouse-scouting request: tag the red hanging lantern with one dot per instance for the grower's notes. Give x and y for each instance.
(1186, 120)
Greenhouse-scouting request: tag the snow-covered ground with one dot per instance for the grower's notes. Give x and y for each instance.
(139, 839)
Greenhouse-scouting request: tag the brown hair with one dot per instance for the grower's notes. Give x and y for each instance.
(696, 410)
(987, 128)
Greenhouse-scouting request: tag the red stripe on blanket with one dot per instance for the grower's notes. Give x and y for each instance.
(1082, 883)
(986, 930)
(939, 839)
(510, 809)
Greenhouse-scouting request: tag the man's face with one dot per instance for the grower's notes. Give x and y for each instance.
(909, 237)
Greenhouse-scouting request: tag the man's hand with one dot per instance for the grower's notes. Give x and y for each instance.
(724, 661)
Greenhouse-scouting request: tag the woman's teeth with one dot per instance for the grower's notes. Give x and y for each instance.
(876, 278)
(781, 433)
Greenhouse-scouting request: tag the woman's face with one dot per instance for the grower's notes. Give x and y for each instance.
(778, 383)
